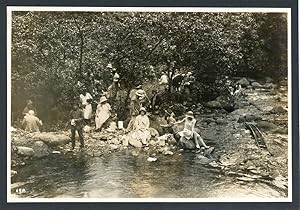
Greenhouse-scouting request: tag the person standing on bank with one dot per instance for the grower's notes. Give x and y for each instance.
(31, 122)
(76, 117)
(86, 101)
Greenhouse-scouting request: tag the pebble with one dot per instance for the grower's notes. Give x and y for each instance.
(151, 159)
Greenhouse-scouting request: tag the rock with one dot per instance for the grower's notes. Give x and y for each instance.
(52, 139)
(278, 110)
(221, 122)
(162, 142)
(270, 86)
(249, 118)
(135, 143)
(40, 149)
(13, 173)
(256, 85)
(168, 153)
(152, 142)
(115, 141)
(214, 104)
(151, 159)
(266, 125)
(124, 141)
(153, 132)
(87, 129)
(25, 151)
(281, 130)
(113, 147)
(203, 160)
(243, 82)
(268, 79)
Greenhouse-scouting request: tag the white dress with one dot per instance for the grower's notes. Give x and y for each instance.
(102, 114)
(88, 110)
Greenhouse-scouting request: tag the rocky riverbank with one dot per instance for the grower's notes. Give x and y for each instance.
(262, 104)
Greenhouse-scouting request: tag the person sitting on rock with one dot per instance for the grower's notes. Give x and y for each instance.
(142, 124)
(28, 107)
(76, 117)
(190, 139)
(103, 112)
(31, 122)
(141, 100)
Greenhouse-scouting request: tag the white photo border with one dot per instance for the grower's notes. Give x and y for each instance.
(10, 9)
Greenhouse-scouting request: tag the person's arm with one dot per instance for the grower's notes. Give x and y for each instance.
(147, 122)
(179, 122)
(25, 110)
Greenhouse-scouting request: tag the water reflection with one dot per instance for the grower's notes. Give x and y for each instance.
(127, 175)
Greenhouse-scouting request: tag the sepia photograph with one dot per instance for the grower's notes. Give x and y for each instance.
(109, 104)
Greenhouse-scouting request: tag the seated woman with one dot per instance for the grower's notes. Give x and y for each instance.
(31, 122)
(102, 113)
(190, 139)
(141, 128)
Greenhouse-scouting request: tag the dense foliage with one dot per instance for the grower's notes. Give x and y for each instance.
(52, 51)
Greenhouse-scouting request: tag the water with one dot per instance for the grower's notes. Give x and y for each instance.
(125, 175)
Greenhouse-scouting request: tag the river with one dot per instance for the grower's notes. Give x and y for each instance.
(124, 175)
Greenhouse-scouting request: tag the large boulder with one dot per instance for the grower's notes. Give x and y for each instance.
(264, 125)
(52, 139)
(40, 149)
(25, 151)
(249, 118)
(278, 110)
(256, 85)
(135, 143)
(243, 82)
(214, 105)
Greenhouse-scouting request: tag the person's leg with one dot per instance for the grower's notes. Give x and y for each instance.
(73, 130)
(80, 134)
(198, 140)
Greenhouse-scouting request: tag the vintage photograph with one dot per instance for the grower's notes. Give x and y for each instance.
(189, 104)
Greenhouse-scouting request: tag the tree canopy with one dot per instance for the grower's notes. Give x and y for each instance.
(52, 51)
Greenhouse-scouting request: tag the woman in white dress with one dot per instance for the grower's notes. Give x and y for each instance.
(102, 113)
(86, 101)
(142, 124)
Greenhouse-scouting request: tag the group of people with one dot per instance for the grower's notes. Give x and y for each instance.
(139, 124)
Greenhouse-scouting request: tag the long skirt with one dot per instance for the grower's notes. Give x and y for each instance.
(101, 118)
(87, 112)
(141, 135)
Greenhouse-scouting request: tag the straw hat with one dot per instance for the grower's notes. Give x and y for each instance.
(142, 109)
(103, 99)
(140, 93)
(31, 112)
(189, 114)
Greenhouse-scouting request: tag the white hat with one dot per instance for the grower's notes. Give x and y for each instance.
(103, 99)
(109, 65)
(31, 112)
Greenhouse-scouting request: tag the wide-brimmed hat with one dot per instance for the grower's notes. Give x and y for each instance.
(140, 93)
(103, 99)
(143, 109)
(189, 114)
(138, 86)
(29, 102)
(116, 77)
(31, 112)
